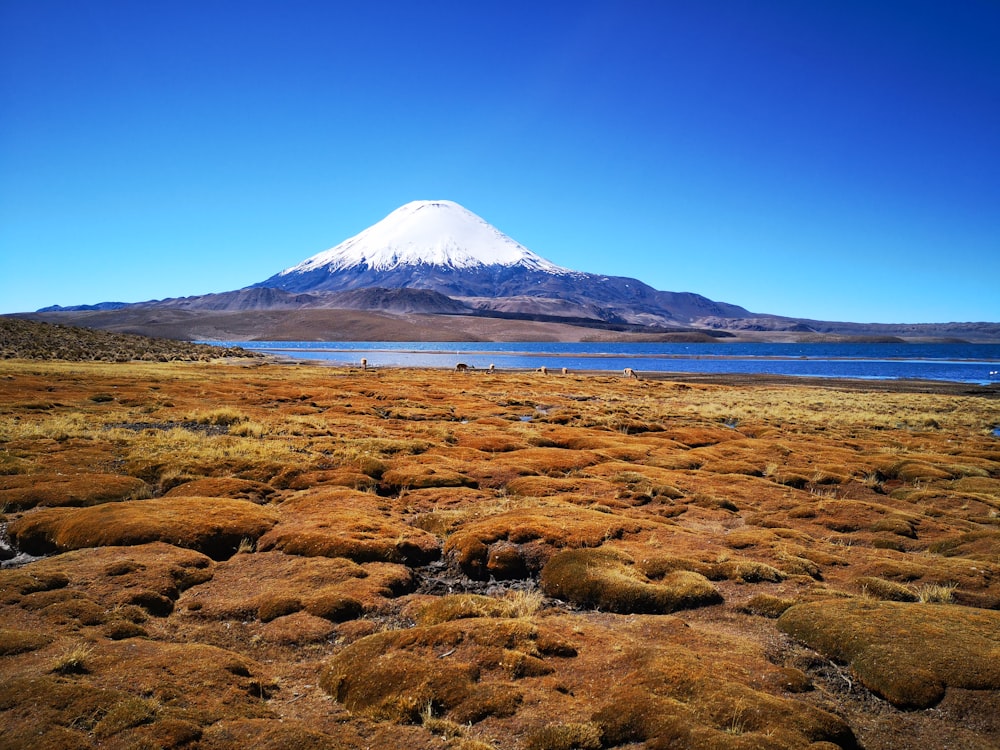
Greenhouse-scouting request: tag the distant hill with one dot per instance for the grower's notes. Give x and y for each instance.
(84, 308)
(25, 339)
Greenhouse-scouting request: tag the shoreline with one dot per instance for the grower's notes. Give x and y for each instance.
(884, 385)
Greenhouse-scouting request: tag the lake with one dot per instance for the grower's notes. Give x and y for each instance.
(965, 363)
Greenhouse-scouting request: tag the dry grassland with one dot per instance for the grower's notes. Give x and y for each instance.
(293, 557)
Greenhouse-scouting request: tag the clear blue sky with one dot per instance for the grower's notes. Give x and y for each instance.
(834, 159)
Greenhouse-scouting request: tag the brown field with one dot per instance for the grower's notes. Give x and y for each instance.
(291, 557)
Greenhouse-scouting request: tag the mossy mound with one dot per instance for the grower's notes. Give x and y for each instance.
(541, 486)
(146, 698)
(150, 576)
(766, 605)
(344, 523)
(907, 653)
(298, 629)
(981, 545)
(271, 585)
(683, 688)
(463, 669)
(350, 478)
(517, 543)
(269, 735)
(20, 492)
(18, 582)
(608, 580)
(735, 569)
(52, 711)
(15, 641)
(237, 489)
(889, 591)
(565, 736)
(716, 715)
(229, 684)
(425, 471)
(214, 526)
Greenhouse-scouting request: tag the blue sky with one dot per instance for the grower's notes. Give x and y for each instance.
(836, 159)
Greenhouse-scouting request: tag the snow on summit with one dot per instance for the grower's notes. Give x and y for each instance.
(440, 233)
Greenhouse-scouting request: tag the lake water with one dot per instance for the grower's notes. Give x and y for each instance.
(965, 363)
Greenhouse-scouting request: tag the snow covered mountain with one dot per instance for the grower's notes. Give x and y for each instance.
(437, 233)
(443, 247)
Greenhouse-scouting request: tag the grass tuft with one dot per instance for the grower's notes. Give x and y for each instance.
(438, 725)
(937, 593)
(73, 661)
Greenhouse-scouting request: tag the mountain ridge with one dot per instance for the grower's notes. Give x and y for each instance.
(437, 258)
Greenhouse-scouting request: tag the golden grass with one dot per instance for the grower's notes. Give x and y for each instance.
(74, 660)
(385, 533)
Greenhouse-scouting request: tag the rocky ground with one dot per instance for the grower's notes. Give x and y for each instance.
(282, 556)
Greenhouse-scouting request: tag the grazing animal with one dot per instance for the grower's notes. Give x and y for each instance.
(364, 364)
(630, 373)
(543, 369)
(462, 367)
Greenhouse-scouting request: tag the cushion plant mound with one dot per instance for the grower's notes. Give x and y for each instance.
(551, 462)
(334, 478)
(606, 579)
(340, 522)
(681, 687)
(27, 491)
(879, 588)
(214, 526)
(424, 471)
(461, 668)
(540, 486)
(491, 441)
(907, 653)
(717, 716)
(261, 734)
(297, 629)
(238, 489)
(981, 545)
(270, 585)
(167, 688)
(695, 437)
(15, 583)
(15, 641)
(535, 533)
(207, 683)
(151, 575)
(51, 712)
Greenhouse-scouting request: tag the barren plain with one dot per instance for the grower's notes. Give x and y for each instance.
(255, 554)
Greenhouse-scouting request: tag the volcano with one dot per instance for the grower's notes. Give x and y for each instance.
(443, 247)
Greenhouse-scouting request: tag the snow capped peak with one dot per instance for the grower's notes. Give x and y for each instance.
(438, 233)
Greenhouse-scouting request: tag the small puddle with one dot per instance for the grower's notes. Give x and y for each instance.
(996, 431)
(10, 557)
